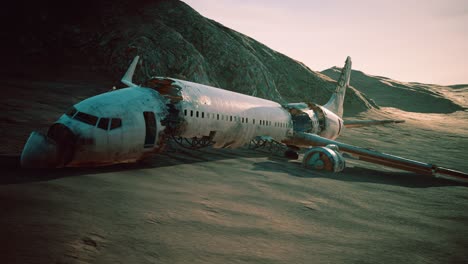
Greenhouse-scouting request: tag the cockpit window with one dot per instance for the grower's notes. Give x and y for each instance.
(115, 123)
(92, 120)
(86, 118)
(71, 112)
(103, 123)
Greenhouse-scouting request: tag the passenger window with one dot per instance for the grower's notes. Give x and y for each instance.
(253, 121)
(191, 112)
(246, 120)
(115, 123)
(230, 118)
(86, 118)
(217, 115)
(202, 114)
(103, 123)
(185, 112)
(197, 114)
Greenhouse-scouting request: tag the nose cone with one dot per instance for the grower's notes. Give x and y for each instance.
(39, 152)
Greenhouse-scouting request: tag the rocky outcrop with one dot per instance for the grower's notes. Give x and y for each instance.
(413, 97)
(173, 40)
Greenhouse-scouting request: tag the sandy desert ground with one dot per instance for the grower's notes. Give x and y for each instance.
(231, 206)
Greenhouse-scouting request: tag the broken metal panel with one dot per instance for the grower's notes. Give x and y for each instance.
(230, 114)
(315, 119)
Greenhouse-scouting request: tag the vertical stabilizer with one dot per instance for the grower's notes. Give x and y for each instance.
(128, 77)
(335, 104)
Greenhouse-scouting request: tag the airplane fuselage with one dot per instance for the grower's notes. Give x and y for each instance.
(129, 124)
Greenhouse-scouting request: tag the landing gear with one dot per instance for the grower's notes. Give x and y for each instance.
(291, 154)
(195, 142)
(268, 143)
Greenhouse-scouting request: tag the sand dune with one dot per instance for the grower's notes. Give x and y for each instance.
(230, 206)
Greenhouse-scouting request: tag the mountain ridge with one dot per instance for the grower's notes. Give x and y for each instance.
(407, 96)
(173, 40)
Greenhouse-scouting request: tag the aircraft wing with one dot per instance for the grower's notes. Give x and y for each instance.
(363, 123)
(374, 156)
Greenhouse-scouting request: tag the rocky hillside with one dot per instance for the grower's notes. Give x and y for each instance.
(173, 40)
(413, 97)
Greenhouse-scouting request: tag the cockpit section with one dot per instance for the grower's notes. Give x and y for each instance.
(105, 123)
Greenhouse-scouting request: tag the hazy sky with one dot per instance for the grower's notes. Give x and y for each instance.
(407, 40)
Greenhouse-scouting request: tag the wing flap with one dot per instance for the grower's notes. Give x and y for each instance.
(364, 123)
(374, 156)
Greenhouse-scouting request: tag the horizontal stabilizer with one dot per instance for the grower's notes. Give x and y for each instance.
(364, 123)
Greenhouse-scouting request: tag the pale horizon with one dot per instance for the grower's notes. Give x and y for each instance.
(409, 41)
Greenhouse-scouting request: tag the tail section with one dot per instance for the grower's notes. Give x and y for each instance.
(127, 78)
(335, 104)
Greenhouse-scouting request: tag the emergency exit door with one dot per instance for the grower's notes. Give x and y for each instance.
(150, 123)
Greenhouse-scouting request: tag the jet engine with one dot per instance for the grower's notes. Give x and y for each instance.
(326, 158)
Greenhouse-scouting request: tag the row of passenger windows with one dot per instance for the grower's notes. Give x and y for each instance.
(104, 122)
(230, 118)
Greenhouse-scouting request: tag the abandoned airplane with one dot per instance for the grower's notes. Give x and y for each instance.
(127, 125)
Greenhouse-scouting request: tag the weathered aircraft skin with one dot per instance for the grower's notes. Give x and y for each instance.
(236, 118)
(128, 124)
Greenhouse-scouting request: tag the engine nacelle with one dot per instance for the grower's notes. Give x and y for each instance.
(324, 158)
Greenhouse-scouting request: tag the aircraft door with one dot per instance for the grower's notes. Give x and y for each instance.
(150, 124)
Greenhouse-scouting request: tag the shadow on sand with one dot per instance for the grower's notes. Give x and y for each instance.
(358, 174)
(12, 173)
